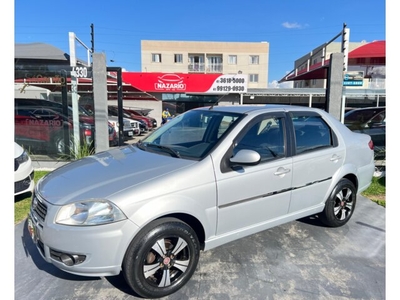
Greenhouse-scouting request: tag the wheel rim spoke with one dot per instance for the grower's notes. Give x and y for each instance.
(159, 247)
(336, 210)
(343, 214)
(149, 270)
(340, 195)
(348, 195)
(180, 245)
(182, 264)
(165, 280)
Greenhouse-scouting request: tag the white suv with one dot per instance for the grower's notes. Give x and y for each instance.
(129, 130)
(23, 171)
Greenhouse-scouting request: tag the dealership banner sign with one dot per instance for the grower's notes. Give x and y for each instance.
(187, 83)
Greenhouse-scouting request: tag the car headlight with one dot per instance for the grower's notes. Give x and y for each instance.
(22, 158)
(88, 213)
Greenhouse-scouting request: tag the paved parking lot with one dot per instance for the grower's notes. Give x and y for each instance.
(298, 260)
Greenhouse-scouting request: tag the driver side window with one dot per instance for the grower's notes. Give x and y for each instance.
(265, 137)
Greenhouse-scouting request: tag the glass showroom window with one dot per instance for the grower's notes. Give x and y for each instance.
(232, 59)
(156, 57)
(178, 58)
(253, 77)
(254, 59)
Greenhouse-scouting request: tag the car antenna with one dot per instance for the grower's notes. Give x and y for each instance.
(216, 102)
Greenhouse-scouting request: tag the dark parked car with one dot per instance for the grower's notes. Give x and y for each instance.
(142, 114)
(372, 121)
(144, 124)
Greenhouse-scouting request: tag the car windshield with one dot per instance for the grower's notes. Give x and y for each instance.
(190, 135)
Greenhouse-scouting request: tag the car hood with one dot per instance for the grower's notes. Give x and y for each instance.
(106, 173)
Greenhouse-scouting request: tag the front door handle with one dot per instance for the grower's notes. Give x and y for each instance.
(281, 171)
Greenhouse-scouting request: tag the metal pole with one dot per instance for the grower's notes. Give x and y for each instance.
(120, 112)
(74, 93)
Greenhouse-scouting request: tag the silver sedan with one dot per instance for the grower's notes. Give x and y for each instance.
(208, 177)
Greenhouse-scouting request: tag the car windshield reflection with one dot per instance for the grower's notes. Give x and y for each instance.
(192, 134)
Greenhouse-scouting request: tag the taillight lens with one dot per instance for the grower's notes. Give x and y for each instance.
(371, 145)
(88, 132)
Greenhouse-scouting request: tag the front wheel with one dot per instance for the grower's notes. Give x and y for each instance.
(59, 145)
(341, 204)
(162, 258)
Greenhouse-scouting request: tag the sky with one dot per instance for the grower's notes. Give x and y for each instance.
(291, 27)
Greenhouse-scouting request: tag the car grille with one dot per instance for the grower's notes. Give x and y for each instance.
(39, 207)
(127, 124)
(23, 184)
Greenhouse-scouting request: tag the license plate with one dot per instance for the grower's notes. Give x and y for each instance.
(32, 230)
(130, 133)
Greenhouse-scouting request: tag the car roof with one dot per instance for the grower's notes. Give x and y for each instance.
(369, 108)
(260, 108)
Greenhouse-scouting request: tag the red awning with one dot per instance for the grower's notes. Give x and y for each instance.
(85, 85)
(317, 71)
(374, 49)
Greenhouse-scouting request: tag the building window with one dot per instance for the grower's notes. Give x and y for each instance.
(232, 59)
(214, 64)
(156, 57)
(254, 59)
(196, 63)
(253, 77)
(178, 58)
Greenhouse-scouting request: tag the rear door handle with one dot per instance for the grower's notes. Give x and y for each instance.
(335, 158)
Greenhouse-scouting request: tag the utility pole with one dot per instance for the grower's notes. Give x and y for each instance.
(345, 51)
(92, 39)
(345, 46)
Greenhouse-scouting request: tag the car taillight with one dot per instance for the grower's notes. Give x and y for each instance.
(87, 132)
(371, 145)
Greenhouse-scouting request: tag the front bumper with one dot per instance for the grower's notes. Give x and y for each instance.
(81, 250)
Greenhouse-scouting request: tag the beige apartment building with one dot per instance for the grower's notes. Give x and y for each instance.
(250, 59)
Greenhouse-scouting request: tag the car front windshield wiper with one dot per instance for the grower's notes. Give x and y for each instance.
(167, 149)
(273, 153)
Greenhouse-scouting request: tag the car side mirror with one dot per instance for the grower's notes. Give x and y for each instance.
(245, 157)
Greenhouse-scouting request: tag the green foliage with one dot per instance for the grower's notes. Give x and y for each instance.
(377, 191)
(83, 150)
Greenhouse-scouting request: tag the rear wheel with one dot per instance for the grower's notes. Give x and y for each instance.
(341, 204)
(162, 258)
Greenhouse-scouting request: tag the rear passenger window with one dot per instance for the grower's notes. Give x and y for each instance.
(311, 133)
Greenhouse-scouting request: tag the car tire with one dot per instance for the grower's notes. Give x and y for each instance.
(161, 258)
(341, 204)
(58, 144)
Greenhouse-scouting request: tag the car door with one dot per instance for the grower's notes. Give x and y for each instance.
(255, 194)
(317, 157)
